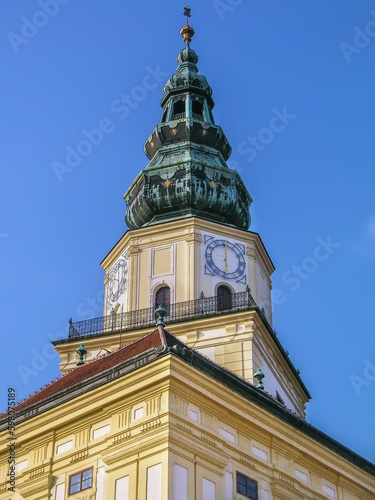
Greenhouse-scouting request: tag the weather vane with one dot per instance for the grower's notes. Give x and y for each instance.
(187, 13)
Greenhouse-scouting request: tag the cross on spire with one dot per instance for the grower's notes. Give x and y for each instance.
(187, 31)
(187, 13)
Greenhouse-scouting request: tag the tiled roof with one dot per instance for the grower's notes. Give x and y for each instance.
(157, 338)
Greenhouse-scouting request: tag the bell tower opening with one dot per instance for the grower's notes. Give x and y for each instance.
(178, 110)
(197, 109)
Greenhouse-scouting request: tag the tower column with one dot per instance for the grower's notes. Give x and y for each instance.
(133, 256)
(188, 108)
(193, 241)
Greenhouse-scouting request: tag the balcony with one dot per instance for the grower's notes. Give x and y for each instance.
(143, 318)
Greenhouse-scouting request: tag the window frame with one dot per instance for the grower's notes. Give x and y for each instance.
(197, 109)
(166, 303)
(248, 480)
(224, 298)
(80, 480)
(178, 114)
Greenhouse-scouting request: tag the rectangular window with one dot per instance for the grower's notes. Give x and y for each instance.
(80, 481)
(247, 486)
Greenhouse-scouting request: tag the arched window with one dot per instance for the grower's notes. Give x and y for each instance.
(178, 110)
(163, 297)
(224, 298)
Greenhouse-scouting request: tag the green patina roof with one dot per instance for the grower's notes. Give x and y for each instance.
(187, 174)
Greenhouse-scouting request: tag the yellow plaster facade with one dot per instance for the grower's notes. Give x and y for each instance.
(168, 431)
(173, 254)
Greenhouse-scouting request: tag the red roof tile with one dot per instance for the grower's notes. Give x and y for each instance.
(88, 370)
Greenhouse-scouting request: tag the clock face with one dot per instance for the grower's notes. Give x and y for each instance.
(117, 279)
(225, 259)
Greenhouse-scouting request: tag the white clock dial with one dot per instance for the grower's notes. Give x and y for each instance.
(117, 280)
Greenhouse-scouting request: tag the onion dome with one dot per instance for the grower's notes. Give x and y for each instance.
(186, 75)
(187, 175)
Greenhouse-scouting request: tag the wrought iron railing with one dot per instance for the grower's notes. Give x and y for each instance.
(179, 116)
(180, 311)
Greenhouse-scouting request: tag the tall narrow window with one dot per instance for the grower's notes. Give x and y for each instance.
(197, 108)
(163, 297)
(224, 298)
(178, 110)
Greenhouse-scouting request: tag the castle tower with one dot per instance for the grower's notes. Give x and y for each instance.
(189, 248)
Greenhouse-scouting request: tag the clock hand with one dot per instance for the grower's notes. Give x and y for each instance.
(226, 256)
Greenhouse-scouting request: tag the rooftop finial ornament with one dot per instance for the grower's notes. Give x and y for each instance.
(160, 313)
(187, 31)
(81, 351)
(259, 376)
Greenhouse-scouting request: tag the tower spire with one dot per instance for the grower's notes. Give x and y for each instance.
(187, 175)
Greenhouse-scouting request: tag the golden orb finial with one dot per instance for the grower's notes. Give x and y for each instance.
(187, 31)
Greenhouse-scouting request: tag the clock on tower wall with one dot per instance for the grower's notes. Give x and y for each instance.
(117, 284)
(224, 261)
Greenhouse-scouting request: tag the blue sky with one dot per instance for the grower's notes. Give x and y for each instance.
(64, 69)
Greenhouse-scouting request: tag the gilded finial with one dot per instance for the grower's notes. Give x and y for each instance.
(187, 31)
